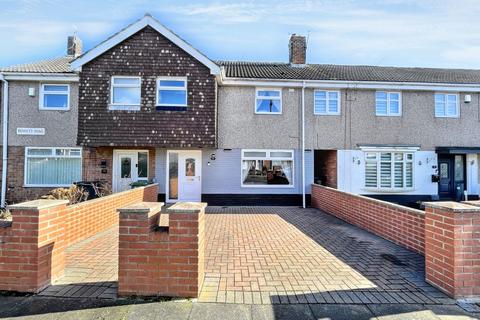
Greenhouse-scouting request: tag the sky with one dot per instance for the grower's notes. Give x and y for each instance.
(417, 33)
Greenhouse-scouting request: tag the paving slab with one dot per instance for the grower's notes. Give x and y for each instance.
(341, 312)
(170, 310)
(287, 312)
(215, 311)
(402, 312)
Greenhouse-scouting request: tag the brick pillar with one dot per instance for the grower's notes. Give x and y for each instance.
(452, 248)
(32, 251)
(166, 260)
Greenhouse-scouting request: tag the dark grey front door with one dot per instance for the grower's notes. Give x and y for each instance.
(445, 184)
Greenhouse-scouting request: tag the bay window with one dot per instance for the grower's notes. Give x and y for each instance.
(272, 168)
(389, 170)
(52, 167)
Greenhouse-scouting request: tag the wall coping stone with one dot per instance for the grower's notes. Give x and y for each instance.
(39, 204)
(380, 202)
(142, 208)
(475, 203)
(452, 206)
(187, 207)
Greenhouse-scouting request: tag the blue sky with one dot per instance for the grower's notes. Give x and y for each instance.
(430, 33)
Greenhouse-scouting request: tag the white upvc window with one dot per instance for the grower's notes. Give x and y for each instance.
(446, 105)
(172, 91)
(389, 170)
(125, 93)
(388, 103)
(52, 167)
(268, 101)
(54, 97)
(267, 168)
(326, 102)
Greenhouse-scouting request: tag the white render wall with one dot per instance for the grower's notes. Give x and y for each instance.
(351, 175)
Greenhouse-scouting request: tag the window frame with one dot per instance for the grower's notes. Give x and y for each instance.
(378, 161)
(257, 89)
(41, 104)
(184, 88)
(124, 106)
(328, 113)
(268, 157)
(389, 113)
(52, 155)
(446, 94)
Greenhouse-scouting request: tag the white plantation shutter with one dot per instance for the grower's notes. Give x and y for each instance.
(387, 170)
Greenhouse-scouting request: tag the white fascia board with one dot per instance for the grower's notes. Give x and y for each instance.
(333, 84)
(389, 148)
(134, 28)
(41, 77)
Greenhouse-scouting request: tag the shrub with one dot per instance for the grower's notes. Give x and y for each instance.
(73, 194)
(5, 215)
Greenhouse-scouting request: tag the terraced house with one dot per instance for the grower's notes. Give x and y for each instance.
(144, 105)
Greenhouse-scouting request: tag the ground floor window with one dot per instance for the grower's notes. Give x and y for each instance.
(389, 170)
(53, 167)
(273, 168)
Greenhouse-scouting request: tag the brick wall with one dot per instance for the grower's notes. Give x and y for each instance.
(32, 246)
(150, 55)
(88, 218)
(399, 224)
(328, 161)
(452, 248)
(166, 263)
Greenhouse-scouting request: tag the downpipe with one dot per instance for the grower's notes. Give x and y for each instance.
(4, 141)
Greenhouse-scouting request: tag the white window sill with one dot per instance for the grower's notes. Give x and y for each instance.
(172, 105)
(266, 113)
(453, 117)
(116, 107)
(53, 109)
(327, 114)
(389, 190)
(388, 115)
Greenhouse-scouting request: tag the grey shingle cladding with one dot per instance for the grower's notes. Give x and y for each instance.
(55, 65)
(279, 71)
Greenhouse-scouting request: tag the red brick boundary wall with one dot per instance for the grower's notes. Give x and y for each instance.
(401, 225)
(88, 218)
(32, 246)
(162, 261)
(452, 249)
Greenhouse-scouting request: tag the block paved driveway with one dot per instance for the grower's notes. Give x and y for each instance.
(272, 255)
(264, 255)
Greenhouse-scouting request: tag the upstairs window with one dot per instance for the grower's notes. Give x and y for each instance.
(389, 170)
(172, 92)
(268, 101)
(326, 102)
(388, 103)
(446, 105)
(125, 93)
(55, 97)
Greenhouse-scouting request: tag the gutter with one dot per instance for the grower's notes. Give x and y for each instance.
(4, 142)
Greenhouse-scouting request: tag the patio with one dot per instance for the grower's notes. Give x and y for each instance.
(273, 255)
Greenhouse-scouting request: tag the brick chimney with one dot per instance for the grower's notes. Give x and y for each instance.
(297, 48)
(74, 46)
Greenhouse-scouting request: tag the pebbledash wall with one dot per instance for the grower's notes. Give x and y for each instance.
(32, 246)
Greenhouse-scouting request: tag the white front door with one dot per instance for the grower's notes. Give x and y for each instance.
(128, 166)
(184, 175)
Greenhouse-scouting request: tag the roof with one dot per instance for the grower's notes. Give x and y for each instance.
(55, 65)
(285, 71)
(133, 28)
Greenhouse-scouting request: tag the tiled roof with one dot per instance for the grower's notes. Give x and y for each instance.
(56, 65)
(278, 71)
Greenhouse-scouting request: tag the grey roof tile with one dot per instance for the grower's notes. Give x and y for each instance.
(55, 65)
(278, 71)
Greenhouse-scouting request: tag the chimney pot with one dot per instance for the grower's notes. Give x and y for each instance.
(297, 48)
(74, 46)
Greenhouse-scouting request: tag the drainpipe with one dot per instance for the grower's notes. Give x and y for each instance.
(5, 141)
(304, 204)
